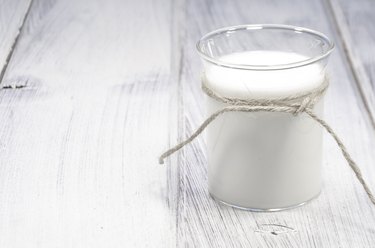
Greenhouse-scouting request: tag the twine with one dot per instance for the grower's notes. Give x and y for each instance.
(294, 104)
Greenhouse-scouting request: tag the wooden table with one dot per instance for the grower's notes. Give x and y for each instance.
(93, 91)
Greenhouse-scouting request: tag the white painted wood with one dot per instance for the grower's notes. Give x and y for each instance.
(12, 13)
(79, 143)
(342, 216)
(355, 22)
(107, 85)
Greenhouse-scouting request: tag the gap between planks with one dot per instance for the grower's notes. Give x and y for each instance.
(349, 57)
(177, 60)
(13, 46)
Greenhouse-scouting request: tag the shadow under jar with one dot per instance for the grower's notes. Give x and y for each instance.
(263, 161)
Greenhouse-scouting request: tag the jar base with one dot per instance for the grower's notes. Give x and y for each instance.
(263, 209)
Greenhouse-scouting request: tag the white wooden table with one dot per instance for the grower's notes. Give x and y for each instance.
(93, 91)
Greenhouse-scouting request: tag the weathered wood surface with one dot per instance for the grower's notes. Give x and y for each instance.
(12, 17)
(79, 142)
(110, 84)
(355, 21)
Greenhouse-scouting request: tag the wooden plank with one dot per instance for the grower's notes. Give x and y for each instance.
(12, 16)
(342, 216)
(79, 143)
(354, 21)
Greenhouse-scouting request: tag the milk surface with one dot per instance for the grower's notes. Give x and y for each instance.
(263, 160)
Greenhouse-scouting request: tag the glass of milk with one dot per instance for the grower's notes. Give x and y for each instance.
(263, 161)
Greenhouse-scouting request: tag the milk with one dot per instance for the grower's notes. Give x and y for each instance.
(263, 160)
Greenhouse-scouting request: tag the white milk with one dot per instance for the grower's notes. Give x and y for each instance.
(263, 160)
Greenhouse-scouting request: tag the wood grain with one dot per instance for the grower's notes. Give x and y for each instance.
(355, 23)
(79, 143)
(12, 17)
(342, 216)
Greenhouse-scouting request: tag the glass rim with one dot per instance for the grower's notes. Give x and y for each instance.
(297, 29)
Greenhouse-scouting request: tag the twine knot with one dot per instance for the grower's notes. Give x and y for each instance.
(304, 104)
(293, 104)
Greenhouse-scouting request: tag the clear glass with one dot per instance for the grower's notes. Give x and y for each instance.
(315, 45)
(263, 161)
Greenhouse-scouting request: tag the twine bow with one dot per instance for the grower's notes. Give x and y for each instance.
(294, 104)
